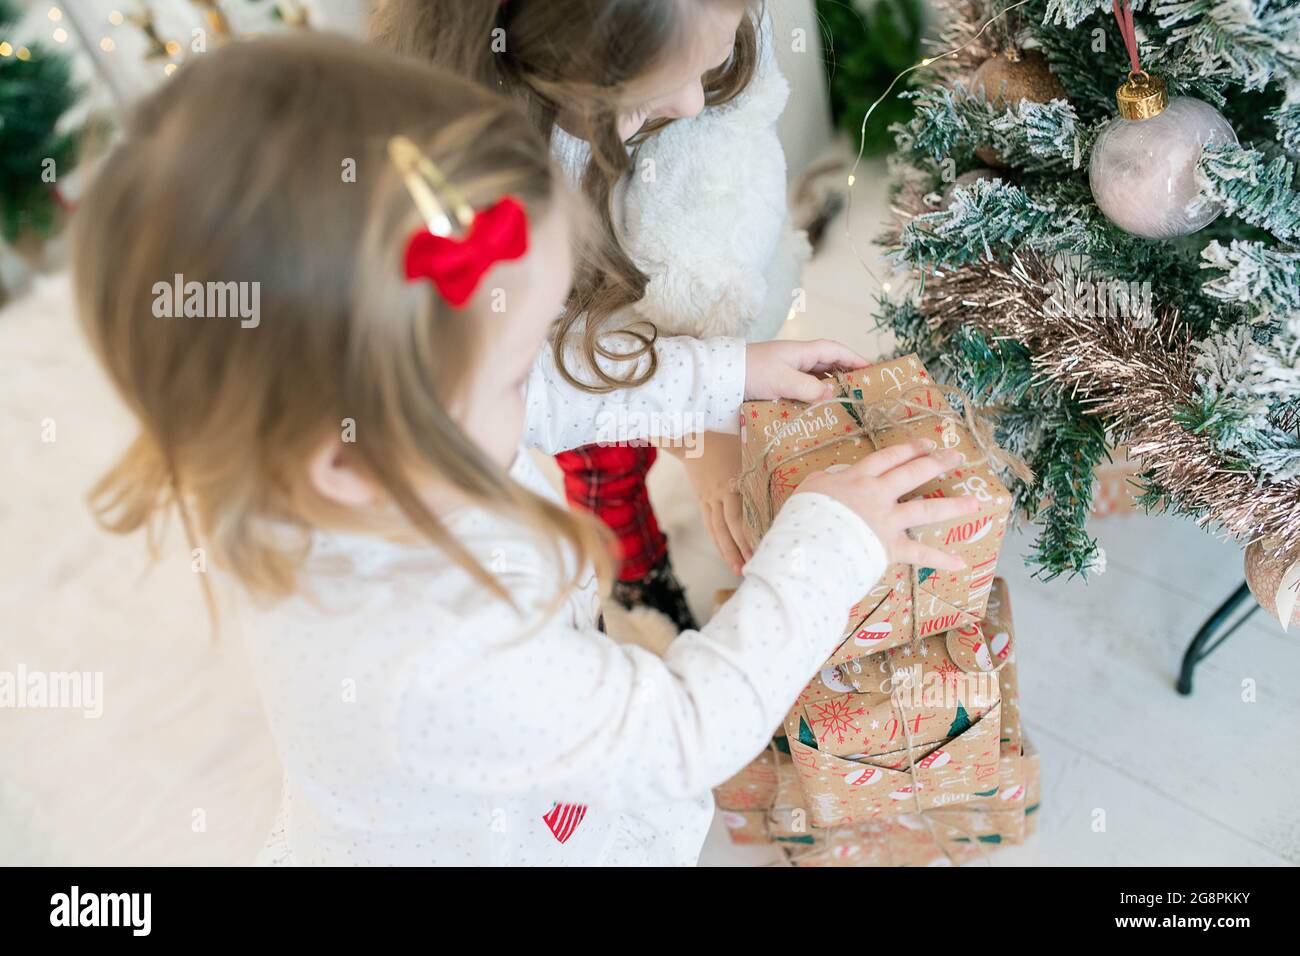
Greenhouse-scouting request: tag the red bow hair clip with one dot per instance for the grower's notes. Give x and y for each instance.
(455, 264)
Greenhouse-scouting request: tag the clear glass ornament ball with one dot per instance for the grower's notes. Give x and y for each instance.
(1143, 172)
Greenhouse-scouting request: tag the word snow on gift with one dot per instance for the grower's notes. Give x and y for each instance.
(875, 407)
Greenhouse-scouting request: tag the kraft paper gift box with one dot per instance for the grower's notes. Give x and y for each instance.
(745, 801)
(938, 838)
(1033, 788)
(843, 792)
(745, 827)
(889, 843)
(765, 802)
(753, 788)
(849, 710)
(1006, 815)
(761, 804)
(968, 755)
(954, 832)
(875, 407)
(908, 840)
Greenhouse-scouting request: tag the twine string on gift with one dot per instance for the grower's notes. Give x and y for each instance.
(788, 858)
(873, 418)
(875, 834)
(924, 814)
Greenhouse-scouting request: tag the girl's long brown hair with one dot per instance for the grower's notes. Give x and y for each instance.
(265, 162)
(578, 55)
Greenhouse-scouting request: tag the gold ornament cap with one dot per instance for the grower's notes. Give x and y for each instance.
(1141, 96)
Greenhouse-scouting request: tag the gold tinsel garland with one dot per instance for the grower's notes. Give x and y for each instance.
(1134, 370)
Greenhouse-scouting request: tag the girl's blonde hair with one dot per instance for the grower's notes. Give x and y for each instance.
(265, 162)
(579, 56)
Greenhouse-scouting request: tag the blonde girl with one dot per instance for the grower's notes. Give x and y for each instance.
(419, 607)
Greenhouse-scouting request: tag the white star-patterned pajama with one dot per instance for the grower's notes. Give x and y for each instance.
(423, 720)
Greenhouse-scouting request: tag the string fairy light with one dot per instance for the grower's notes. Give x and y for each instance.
(866, 118)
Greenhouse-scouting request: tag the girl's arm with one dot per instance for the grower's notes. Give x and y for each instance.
(570, 715)
(698, 387)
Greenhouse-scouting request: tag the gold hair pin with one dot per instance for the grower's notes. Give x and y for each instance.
(424, 180)
(455, 260)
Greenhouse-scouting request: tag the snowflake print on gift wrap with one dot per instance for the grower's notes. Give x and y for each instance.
(836, 717)
(783, 480)
(947, 672)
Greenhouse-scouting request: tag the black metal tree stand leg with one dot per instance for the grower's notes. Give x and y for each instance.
(1215, 624)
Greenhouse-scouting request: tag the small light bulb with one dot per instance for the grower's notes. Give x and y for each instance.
(107, 45)
(172, 47)
(56, 14)
(852, 179)
(885, 287)
(60, 35)
(169, 69)
(927, 61)
(6, 49)
(116, 18)
(23, 53)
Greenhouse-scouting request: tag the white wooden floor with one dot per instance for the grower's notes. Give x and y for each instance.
(1200, 781)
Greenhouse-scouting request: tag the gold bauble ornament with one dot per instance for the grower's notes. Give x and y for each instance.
(1267, 574)
(1005, 79)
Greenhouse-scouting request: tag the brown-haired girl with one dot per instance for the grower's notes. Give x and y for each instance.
(421, 608)
(601, 79)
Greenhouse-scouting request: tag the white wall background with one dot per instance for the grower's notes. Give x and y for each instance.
(805, 126)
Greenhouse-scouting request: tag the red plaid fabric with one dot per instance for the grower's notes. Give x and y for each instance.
(609, 481)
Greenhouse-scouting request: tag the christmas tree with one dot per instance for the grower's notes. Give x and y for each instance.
(35, 91)
(1035, 291)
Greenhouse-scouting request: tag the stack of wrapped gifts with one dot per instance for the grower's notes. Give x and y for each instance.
(906, 749)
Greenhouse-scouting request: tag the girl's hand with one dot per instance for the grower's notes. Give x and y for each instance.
(873, 485)
(712, 475)
(792, 369)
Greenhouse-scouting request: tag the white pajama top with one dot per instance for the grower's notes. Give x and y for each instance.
(421, 719)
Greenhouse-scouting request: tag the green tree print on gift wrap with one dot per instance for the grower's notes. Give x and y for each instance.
(960, 723)
(806, 736)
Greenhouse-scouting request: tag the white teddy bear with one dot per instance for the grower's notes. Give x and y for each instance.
(705, 215)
